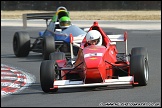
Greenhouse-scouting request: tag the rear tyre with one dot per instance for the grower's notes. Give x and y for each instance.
(48, 46)
(57, 56)
(47, 76)
(139, 69)
(21, 44)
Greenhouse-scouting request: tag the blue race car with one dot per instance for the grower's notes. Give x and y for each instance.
(47, 42)
(52, 39)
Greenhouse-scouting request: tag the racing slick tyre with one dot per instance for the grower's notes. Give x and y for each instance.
(48, 46)
(66, 49)
(47, 76)
(139, 51)
(139, 68)
(57, 56)
(21, 44)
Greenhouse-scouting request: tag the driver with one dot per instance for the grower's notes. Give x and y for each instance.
(93, 37)
(64, 22)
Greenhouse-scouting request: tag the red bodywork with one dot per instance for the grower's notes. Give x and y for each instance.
(98, 61)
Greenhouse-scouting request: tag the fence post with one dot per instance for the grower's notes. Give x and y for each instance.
(24, 21)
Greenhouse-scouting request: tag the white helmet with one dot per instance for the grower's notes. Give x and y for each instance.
(94, 35)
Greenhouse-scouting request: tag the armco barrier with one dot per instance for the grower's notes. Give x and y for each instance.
(29, 16)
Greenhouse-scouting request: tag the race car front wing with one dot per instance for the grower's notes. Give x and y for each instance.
(126, 80)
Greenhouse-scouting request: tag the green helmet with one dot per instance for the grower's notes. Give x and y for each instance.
(64, 22)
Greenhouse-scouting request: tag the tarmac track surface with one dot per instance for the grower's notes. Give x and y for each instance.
(33, 96)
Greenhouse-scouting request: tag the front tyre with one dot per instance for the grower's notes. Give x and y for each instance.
(139, 51)
(139, 69)
(47, 76)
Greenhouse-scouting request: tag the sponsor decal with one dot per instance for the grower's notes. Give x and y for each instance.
(93, 49)
(93, 58)
(92, 54)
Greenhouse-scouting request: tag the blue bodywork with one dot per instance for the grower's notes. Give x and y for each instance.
(62, 35)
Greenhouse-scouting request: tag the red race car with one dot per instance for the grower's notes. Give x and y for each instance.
(99, 66)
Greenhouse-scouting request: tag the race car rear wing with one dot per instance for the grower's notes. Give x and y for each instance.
(30, 16)
(119, 38)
